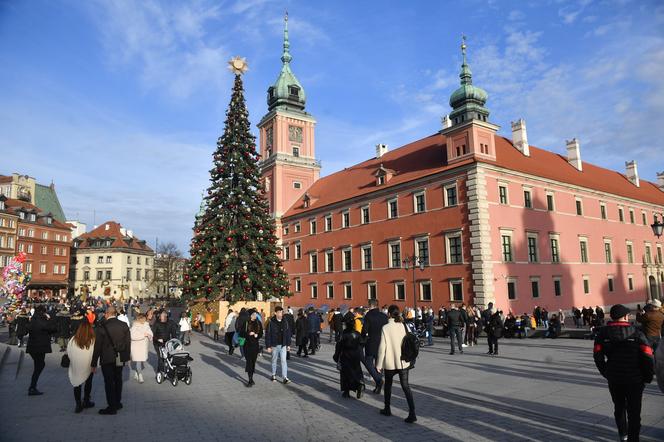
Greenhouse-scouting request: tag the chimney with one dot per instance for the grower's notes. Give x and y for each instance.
(660, 181)
(381, 149)
(446, 121)
(130, 233)
(520, 136)
(574, 154)
(632, 172)
(106, 227)
(123, 231)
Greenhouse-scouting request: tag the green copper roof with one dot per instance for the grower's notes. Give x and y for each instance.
(287, 92)
(47, 200)
(468, 100)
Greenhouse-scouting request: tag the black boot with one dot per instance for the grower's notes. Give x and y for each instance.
(79, 407)
(32, 391)
(411, 417)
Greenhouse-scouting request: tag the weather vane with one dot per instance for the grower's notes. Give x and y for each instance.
(238, 65)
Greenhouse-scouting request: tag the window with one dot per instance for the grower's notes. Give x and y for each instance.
(86, 260)
(128, 259)
(298, 251)
(365, 215)
(372, 291)
(422, 250)
(366, 258)
(502, 194)
(392, 209)
(579, 207)
(456, 290)
(454, 250)
(621, 215)
(138, 274)
(314, 291)
(348, 291)
(312, 227)
(534, 287)
(109, 259)
(298, 285)
(631, 216)
(286, 253)
(138, 260)
(557, 291)
(86, 275)
(296, 151)
(420, 205)
(42, 268)
(100, 275)
(44, 250)
(28, 267)
(297, 185)
(395, 255)
(450, 195)
(345, 219)
(527, 200)
(63, 252)
(425, 291)
(550, 206)
(555, 250)
(648, 256)
(20, 247)
(285, 230)
(511, 289)
(347, 265)
(31, 232)
(21, 232)
(381, 180)
(100, 260)
(586, 285)
(108, 274)
(610, 283)
(329, 291)
(630, 283)
(643, 218)
(128, 274)
(630, 253)
(29, 248)
(583, 244)
(44, 235)
(313, 263)
(532, 248)
(607, 252)
(659, 254)
(329, 261)
(602, 210)
(297, 228)
(399, 291)
(328, 223)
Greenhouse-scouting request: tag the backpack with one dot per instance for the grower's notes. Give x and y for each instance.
(410, 347)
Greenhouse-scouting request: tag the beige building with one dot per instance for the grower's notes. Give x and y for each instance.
(8, 232)
(111, 262)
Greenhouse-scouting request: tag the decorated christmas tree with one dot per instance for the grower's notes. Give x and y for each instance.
(234, 250)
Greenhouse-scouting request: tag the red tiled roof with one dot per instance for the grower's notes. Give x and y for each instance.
(427, 156)
(5, 179)
(15, 204)
(113, 232)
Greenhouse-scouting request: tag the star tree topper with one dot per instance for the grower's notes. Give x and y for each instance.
(238, 65)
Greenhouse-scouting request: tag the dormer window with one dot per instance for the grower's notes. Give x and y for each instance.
(270, 93)
(21, 215)
(294, 91)
(33, 217)
(306, 200)
(383, 175)
(49, 220)
(381, 180)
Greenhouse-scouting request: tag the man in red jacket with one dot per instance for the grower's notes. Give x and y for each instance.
(624, 357)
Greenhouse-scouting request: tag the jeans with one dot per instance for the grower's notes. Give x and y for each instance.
(139, 366)
(455, 332)
(87, 391)
(627, 401)
(370, 363)
(39, 365)
(403, 379)
(112, 384)
(430, 335)
(279, 351)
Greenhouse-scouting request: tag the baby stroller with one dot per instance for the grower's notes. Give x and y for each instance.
(174, 363)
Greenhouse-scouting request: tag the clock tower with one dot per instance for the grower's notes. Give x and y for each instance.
(288, 164)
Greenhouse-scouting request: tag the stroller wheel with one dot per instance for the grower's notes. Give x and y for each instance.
(174, 381)
(160, 377)
(187, 380)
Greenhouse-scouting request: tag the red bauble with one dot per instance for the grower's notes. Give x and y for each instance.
(229, 239)
(209, 289)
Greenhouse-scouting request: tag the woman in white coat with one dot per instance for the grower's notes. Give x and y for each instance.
(389, 360)
(79, 351)
(141, 336)
(185, 329)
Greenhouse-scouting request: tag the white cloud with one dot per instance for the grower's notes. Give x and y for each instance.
(569, 13)
(516, 15)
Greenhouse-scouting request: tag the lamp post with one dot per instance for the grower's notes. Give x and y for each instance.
(657, 227)
(415, 261)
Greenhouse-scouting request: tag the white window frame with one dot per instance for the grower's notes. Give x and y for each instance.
(297, 227)
(314, 290)
(286, 251)
(394, 265)
(530, 194)
(363, 251)
(448, 256)
(537, 250)
(628, 245)
(553, 201)
(420, 286)
(375, 286)
(584, 239)
(603, 216)
(345, 225)
(348, 287)
(583, 287)
(632, 216)
(313, 257)
(313, 227)
(328, 223)
(297, 185)
(394, 200)
(555, 236)
(507, 193)
(621, 214)
(536, 279)
(610, 286)
(578, 206)
(451, 284)
(417, 194)
(329, 253)
(396, 290)
(42, 268)
(329, 290)
(298, 250)
(416, 243)
(362, 209)
(609, 242)
(510, 233)
(343, 259)
(445, 199)
(298, 285)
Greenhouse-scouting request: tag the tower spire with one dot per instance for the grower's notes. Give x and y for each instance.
(286, 56)
(466, 75)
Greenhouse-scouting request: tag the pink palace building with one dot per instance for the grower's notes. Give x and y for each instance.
(462, 215)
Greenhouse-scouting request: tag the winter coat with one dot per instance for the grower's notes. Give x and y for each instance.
(185, 324)
(622, 354)
(389, 349)
(164, 331)
(348, 353)
(141, 334)
(80, 360)
(301, 330)
(313, 323)
(229, 324)
(111, 332)
(240, 323)
(22, 324)
(495, 327)
(455, 319)
(278, 333)
(63, 322)
(374, 321)
(338, 321)
(40, 330)
(652, 322)
(288, 317)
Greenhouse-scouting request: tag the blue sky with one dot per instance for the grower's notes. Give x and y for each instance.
(120, 103)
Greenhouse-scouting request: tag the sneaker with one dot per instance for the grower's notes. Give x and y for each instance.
(274, 378)
(140, 378)
(286, 381)
(34, 392)
(464, 345)
(135, 375)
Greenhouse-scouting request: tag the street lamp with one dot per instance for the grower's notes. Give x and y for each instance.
(657, 227)
(415, 261)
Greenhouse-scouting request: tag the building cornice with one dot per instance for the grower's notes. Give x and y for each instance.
(290, 160)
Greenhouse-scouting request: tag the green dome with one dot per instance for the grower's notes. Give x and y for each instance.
(468, 92)
(468, 101)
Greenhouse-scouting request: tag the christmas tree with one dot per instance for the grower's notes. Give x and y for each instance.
(234, 249)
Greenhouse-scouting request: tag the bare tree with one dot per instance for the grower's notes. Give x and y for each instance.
(168, 268)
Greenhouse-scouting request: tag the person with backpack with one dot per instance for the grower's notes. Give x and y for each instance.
(396, 355)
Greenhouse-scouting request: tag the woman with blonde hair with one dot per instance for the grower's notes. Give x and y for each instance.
(141, 335)
(79, 351)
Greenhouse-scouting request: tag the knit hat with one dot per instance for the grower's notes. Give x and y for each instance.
(657, 303)
(618, 311)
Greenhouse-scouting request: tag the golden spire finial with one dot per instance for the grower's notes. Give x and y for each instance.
(238, 65)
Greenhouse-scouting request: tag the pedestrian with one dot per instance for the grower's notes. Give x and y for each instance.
(141, 335)
(22, 325)
(624, 357)
(163, 330)
(348, 355)
(79, 350)
(253, 333)
(554, 328)
(11, 328)
(208, 321)
(63, 322)
(288, 317)
(389, 360)
(374, 321)
(471, 329)
(242, 318)
(185, 329)
(229, 330)
(313, 329)
(278, 341)
(40, 329)
(652, 321)
(111, 350)
(454, 320)
(330, 324)
(494, 331)
(301, 334)
(338, 322)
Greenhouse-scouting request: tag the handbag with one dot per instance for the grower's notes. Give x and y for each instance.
(241, 341)
(64, 362)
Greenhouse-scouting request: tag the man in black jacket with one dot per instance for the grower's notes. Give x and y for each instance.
(625, 359)
(373, 324)
(277, 342)
(454, 324)
(112, 349)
